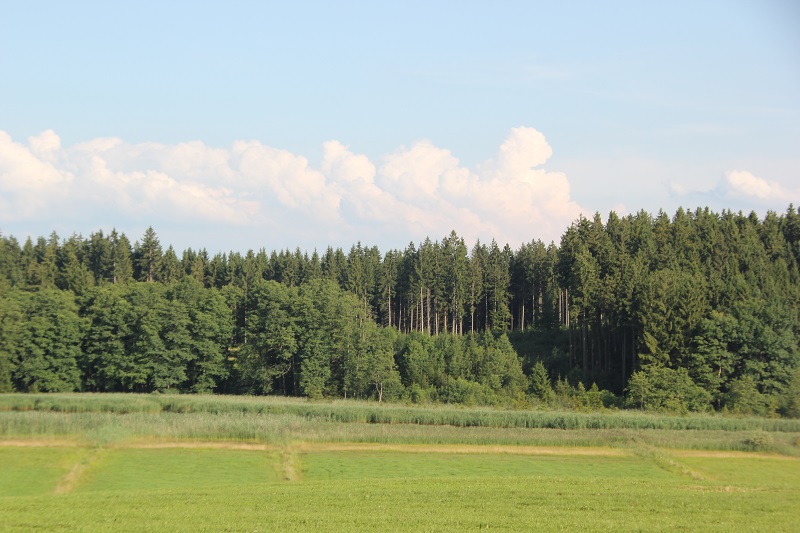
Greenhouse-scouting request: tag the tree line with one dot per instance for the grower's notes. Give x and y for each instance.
(696, 311)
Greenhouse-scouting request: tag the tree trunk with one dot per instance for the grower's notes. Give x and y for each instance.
(624, 355)
(428, 310)
(583, 345)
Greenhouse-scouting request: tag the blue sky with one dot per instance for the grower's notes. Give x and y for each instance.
(243, 125)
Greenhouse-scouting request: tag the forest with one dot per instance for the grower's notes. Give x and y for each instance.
(698, 311)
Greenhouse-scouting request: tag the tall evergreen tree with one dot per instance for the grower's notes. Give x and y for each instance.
(148, 256)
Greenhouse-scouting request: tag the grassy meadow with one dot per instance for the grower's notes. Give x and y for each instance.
(181, 463)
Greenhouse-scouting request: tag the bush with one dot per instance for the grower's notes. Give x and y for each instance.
(664, 389)
(540, 383)
(759, 441)
(790, 405)
(743, 398)
(418, 394)
(467, 393)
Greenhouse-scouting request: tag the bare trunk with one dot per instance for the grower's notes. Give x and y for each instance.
(421, 310)
(583, 346)
(428, 311)
(624, 349)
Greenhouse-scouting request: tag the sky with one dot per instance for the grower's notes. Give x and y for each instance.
(245, 125)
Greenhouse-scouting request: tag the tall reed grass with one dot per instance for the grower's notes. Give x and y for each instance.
(365, 412)
(104, 429)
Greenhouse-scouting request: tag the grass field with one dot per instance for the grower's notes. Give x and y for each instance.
(150, 470)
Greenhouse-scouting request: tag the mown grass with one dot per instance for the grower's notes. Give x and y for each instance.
(35, 471)
(152, 469)
(109, 463)
(387, 491)
(371, 465)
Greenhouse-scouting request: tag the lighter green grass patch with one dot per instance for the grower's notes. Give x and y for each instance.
(750, 472)
(151, 469)
(35, 470)
(433, 504)
(392, 465)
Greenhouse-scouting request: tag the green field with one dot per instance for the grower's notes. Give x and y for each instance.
(149, 470)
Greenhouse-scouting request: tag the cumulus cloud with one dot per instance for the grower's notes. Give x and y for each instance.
(740, 189)
(45, 144)
(523, 149)
(340, 164)
(417, 191)
(29, 181)
(745, 185)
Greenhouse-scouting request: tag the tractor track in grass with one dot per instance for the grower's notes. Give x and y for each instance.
(41, 443)
(311, 447)
(75, 474)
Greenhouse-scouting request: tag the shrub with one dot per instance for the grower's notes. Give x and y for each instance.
(540, 383)
(467, 393)
(744, 398)
(417, 394)
(659, 388)
(759, 440)
(790, 405)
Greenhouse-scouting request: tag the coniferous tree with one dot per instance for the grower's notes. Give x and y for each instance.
(122, 262)
(170, 270)
(148, 256)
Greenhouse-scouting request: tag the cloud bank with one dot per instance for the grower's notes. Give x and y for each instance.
(276, 198)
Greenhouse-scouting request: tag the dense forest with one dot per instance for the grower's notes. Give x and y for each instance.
(697, 311)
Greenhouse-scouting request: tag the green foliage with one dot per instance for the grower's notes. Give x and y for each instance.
(417, 365)
(11, 318)
(209, 329)
(791, 399)
(371, 370)
(663, 389)
(713, 295)
(268, 359)
(461, 391)
(640, 390)
(759, 441)
(713, 360)
(744, 398)
(45, 344)
(540, 383)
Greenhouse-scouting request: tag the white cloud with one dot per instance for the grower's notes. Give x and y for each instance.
(739, 190)
(522, 150)
(29, 182)
(260, 190)
(45, 143)
(416, 172)
(743, 184)
(678, 189)
(284, 180)
(340, 164)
